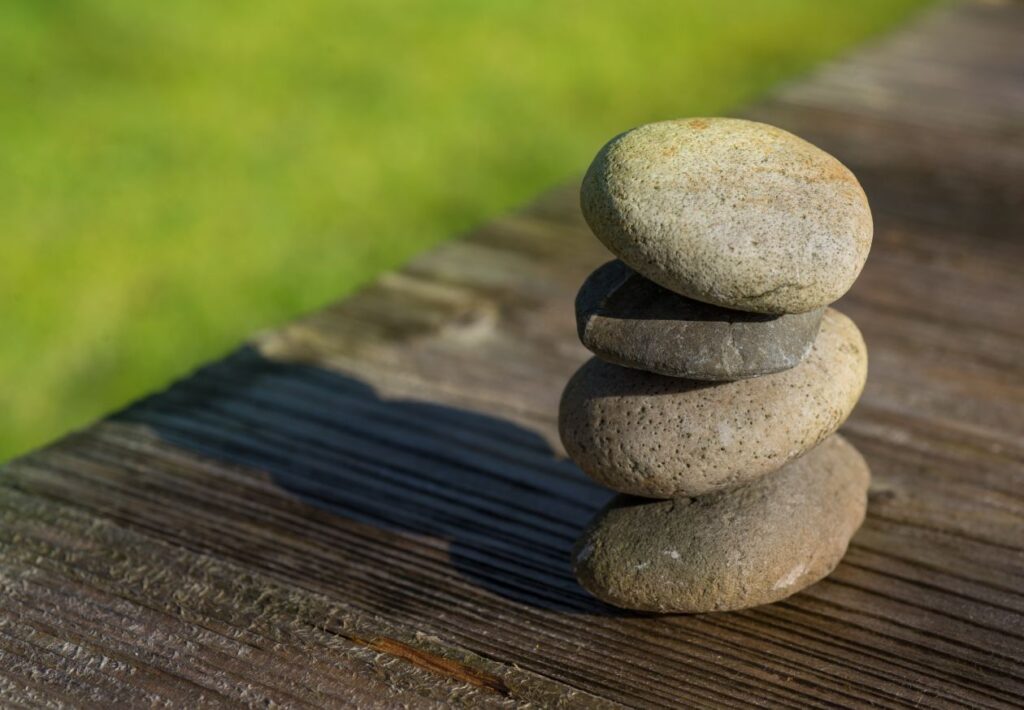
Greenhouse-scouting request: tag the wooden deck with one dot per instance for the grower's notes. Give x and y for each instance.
(369, 507)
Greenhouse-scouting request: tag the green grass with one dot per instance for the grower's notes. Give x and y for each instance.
(176, 175)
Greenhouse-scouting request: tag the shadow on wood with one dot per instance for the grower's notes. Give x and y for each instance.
(412, 467)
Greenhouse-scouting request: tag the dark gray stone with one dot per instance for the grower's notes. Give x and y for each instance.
(729, 550)
(629, 320)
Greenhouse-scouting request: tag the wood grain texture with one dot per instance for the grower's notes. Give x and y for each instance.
(369, 507)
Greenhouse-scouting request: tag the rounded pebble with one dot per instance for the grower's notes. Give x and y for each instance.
(631, 321)
(728, 550)
(646, 434)
(731, 212)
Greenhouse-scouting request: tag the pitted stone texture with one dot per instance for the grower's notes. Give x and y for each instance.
(736, 213)
(650, 435)
(631, 321)
(729, 550)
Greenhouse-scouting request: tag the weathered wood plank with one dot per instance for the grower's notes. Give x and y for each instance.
(370, 507)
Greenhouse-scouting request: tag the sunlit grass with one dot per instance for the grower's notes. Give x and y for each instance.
(176, 175)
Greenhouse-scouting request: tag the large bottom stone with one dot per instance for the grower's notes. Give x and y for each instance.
(728, 550)
(628, 320)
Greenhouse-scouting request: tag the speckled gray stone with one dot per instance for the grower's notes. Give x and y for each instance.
(650, 435)
(736, 213)
(729, 550)
(631, 321)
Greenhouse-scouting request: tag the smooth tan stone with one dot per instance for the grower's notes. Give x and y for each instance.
(650, 435)
(731, 212)
(729, 550)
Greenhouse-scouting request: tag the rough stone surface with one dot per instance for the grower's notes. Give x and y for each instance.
(628, 320)
(736, 213)
(650, 435)
(728, 550)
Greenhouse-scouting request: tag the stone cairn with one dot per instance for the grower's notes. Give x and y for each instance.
(721, 374)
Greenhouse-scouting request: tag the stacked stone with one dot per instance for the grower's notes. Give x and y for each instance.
(721, 373)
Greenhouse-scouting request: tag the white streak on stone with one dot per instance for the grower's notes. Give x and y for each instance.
(725, 433)
(789, 579)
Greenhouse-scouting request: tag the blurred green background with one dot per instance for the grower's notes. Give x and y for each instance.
(177, 175)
